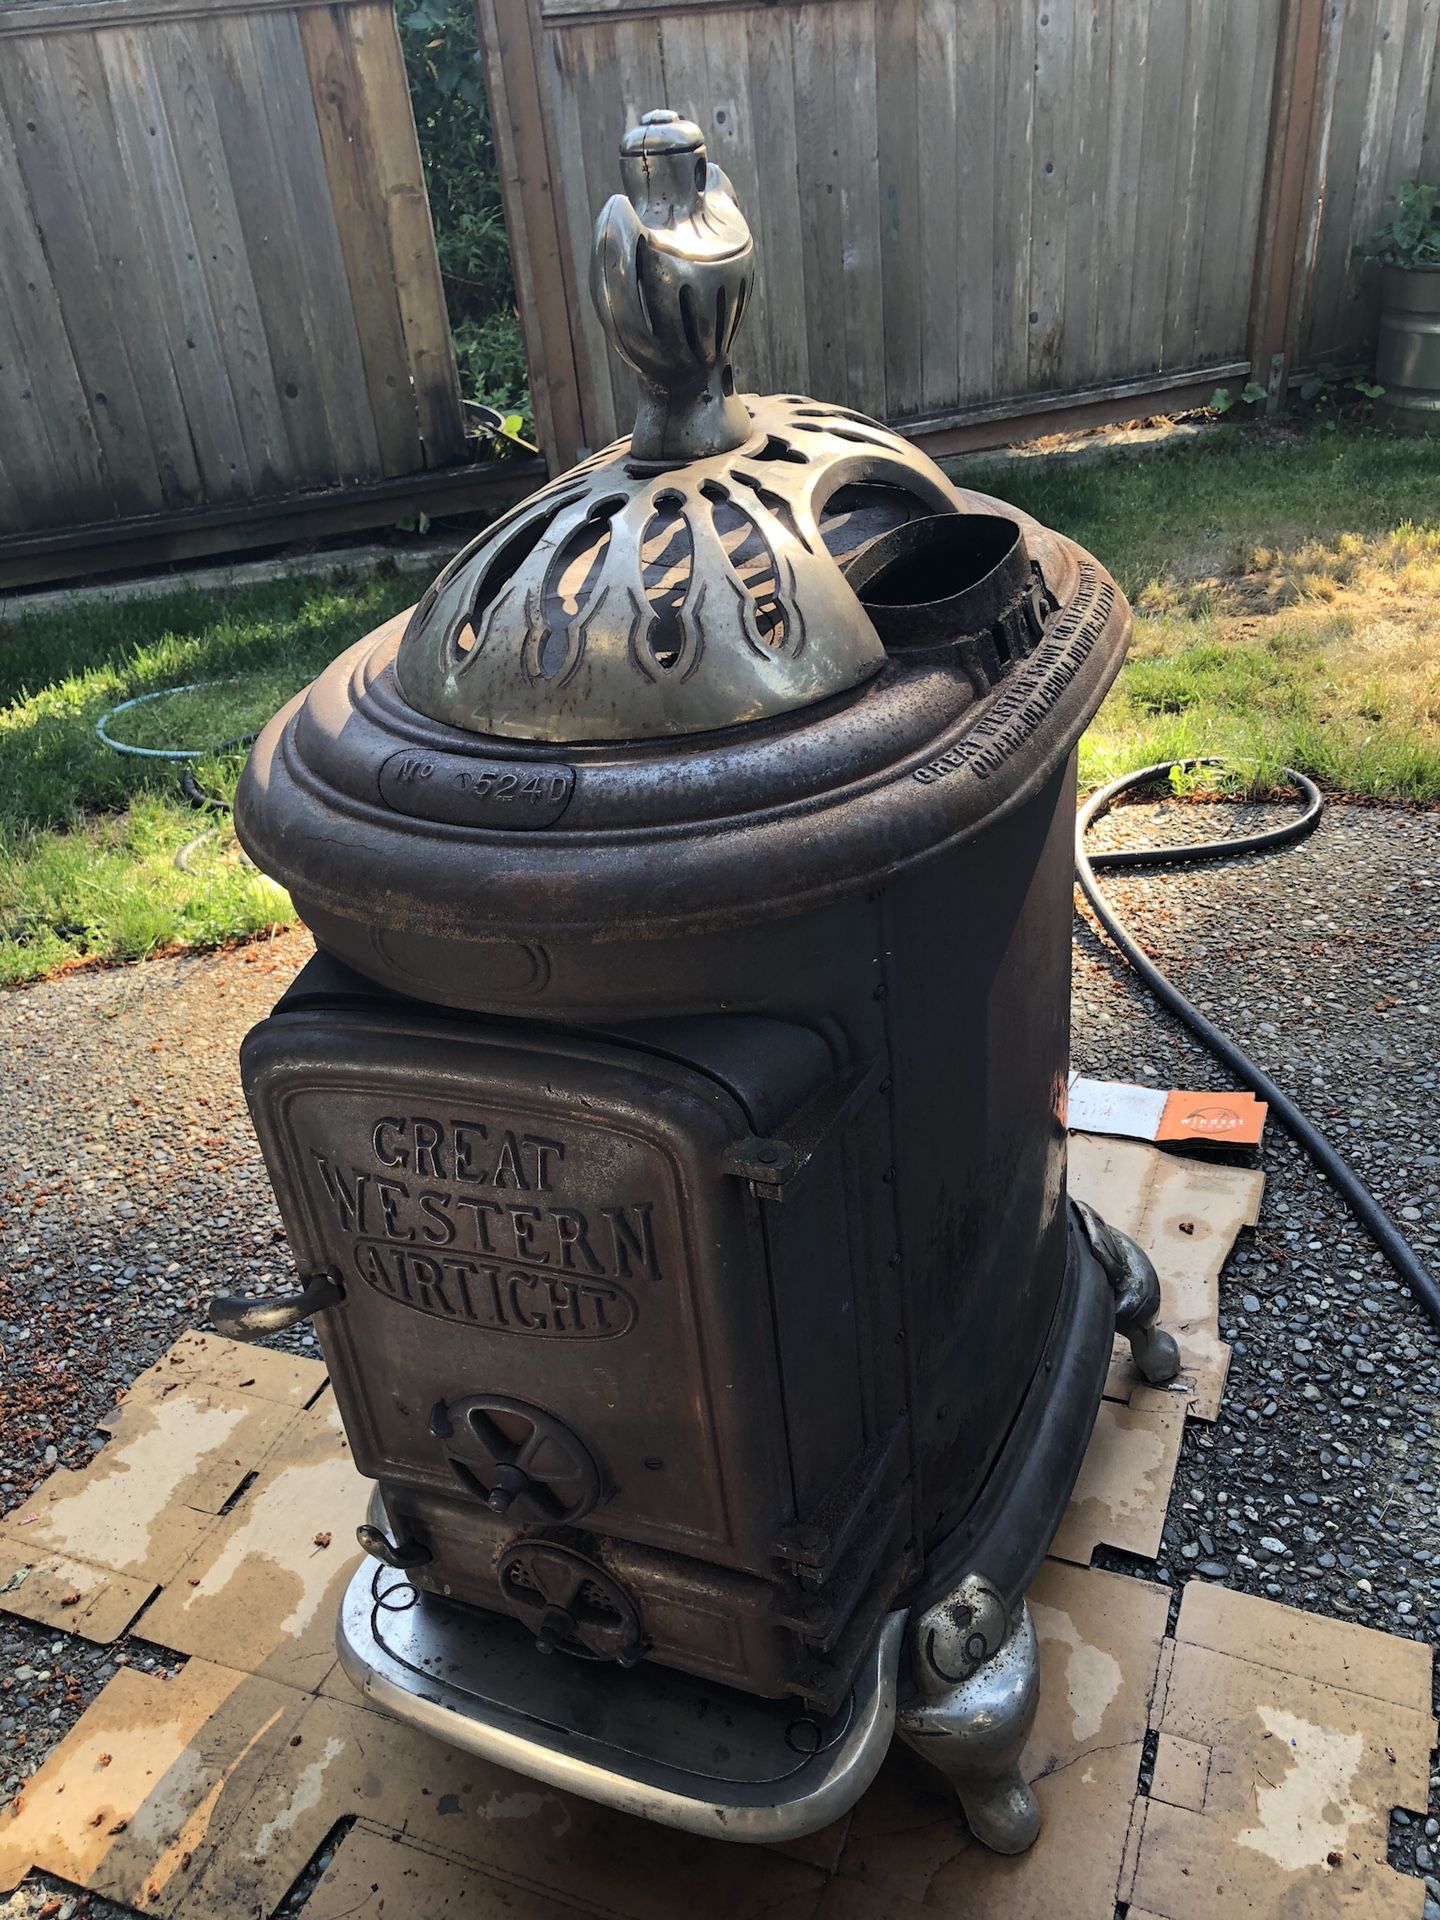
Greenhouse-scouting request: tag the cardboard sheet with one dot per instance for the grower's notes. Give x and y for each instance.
(1283, 1739)
(1186, 1214)
(88, 1548)
(212, 1360)
(134, 1803)
(56, 1590)
(262, 1588)
(377, 1873)
(1277, 1773)
(207, 1792)
(1121, 1496)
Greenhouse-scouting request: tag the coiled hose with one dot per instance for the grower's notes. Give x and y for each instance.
(1336, 1169)
(189, 785)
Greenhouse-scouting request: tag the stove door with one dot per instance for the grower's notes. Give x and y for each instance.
(556, 1294)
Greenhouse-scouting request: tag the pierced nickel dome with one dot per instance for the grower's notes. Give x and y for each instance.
(685, 579)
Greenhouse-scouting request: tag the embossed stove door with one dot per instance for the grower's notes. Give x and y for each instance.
(546, 1271)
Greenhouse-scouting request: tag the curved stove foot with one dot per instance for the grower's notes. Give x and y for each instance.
(976, 1669)
(1137, 1297)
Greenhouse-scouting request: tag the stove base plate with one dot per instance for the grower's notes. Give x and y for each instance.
(662, 1745)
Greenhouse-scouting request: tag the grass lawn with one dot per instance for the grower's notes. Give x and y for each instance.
(89, 837)
(1286, 585)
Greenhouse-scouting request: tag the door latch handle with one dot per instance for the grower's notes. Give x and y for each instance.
(245, 1317)
(404, 1554)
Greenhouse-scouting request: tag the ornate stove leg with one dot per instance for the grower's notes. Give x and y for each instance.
(1137, 1297)
(976, 1667)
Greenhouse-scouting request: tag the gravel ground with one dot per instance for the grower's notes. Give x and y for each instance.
(1317, 1486)
(132, 1190)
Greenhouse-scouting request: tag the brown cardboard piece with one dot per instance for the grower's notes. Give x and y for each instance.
(58, 1591)
(221, 1784)
(342, 1760)
(1339, 1652)
(1307, 1748)
(1123, 1490)
(131, 1801)
(1186, 1214)
(1182, 1769)
(262, 1589)
(212, 1360)
(127, 1522)
(376, 1874)
(113, 1532)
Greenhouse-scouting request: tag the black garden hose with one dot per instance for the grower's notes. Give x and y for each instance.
(191, 787)
(1336, 1169)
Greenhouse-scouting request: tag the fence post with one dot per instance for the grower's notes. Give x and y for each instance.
(1282, 204)
(507, 31)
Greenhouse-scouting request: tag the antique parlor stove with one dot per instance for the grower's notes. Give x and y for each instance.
(670, 1131)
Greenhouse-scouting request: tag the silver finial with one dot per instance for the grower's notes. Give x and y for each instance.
(670, 275)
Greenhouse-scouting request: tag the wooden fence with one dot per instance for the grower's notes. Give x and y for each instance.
(221, 317)
(219, 296)
(976, 213)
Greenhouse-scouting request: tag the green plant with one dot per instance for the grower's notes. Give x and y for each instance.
(1250, 395)
(1412, 238)
(442, 61)
(1329, 393)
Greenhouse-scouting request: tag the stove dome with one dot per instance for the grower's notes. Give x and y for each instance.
(685, 579)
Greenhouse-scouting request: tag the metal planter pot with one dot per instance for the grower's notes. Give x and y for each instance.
(1408, 361)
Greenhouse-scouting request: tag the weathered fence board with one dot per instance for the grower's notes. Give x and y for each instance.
(957, 203)
(221, 288)
(1377, 122)
(220, 276)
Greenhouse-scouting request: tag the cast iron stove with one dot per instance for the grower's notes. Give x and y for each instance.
(670, 1129)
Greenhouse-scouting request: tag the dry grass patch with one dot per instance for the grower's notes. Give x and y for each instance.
(1287, 600)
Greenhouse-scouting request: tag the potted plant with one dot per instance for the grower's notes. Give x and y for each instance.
(1407, 363)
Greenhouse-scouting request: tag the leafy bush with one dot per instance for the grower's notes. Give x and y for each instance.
(1412, 238)
(442, 60)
